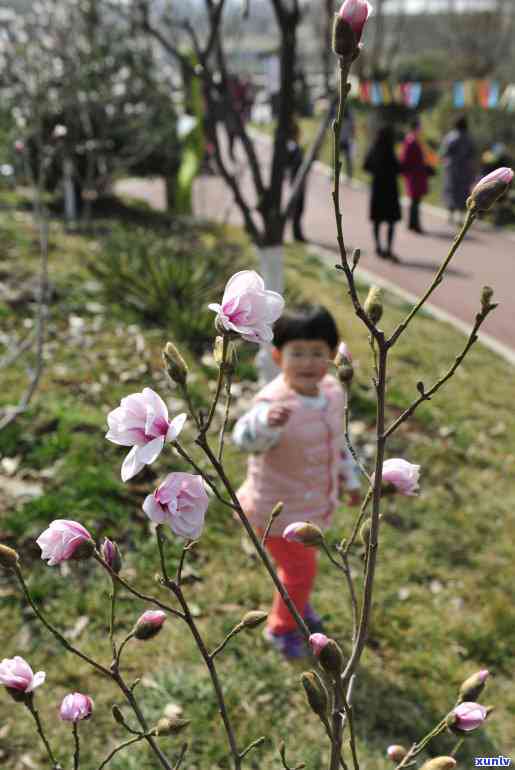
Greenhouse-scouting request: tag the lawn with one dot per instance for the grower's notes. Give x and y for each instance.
(443, 604)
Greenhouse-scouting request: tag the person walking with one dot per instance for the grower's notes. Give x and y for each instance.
(294, 434)
(347, 140)
(381, 162)
(416, 173)
(294, 162)
(458, 153)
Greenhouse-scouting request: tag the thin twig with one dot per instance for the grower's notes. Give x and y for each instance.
(76, 753)
(426, 395)
(29, 702)
(184, 454)
(119, 748)
(350, 446)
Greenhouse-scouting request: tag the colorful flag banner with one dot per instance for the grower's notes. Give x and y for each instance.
(485, 93)
(458, 94)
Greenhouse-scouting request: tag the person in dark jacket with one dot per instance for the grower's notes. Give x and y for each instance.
(416, 173)
(294, 161)
(381, 162)
(459, 162)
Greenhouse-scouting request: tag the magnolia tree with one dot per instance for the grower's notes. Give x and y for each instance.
(178, 507)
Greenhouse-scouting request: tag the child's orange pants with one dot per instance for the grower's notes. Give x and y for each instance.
(297, 568)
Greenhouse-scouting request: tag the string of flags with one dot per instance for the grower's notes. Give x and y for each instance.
(488, 94)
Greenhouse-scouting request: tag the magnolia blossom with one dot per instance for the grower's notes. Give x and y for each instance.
(111, 555)
(181, 502)
(76, 707)
(149, 624)
(62, 540)
(248, 308)
(355, 13)
(402, 475)
(317, 643)
(468, 716)
(16, 674)
(141, 421)
(396, 752)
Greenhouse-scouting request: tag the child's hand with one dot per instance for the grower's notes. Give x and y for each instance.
(278, 416)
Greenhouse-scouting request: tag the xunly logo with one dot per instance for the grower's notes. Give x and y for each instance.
(499, 761)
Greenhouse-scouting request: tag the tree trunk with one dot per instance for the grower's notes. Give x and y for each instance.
(271, 268)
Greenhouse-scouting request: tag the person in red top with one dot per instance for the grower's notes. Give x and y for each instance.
(416, 173)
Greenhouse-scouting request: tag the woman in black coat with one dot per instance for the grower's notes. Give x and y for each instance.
(382, 163)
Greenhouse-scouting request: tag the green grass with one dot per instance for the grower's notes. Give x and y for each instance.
(443, 604)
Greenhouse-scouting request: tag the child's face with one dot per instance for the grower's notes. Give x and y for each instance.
(304, 363)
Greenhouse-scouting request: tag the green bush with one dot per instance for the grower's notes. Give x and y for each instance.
(168, 280)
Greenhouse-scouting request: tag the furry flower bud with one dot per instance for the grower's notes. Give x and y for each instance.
(253, 619)
(175, 364)
(9, 558)
(149, 624)
(315, 692)
(486, 297)
(171, 726)
(473, 686)
(373, 306)
(439, 763)
(489, 189)
(396, 753)
(303, 532)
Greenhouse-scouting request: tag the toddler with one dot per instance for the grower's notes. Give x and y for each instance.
(294, 434)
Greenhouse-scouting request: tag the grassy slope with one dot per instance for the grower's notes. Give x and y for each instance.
(443, 603)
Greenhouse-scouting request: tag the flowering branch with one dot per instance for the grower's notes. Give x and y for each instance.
(29, 703)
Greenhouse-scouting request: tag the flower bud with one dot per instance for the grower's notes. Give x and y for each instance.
(303, 532)
(486, 296)
(175, 364)
(344, 39)
(315, 692)
(345, 373)
(489, 189)
(466, 717)
(149, 624)
(253, 619)
(396, 753)
(348, 27)
(171, 726)
(111, 555)
(373, 306)
(9, 558)
(331, 658)
(439, 763)
(343, 355)
(117, 714)
(317, 642)
(473, 686)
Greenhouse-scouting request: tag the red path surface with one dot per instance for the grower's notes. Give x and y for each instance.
(486, 256)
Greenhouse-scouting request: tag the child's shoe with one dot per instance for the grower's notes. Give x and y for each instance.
(291, 644)
(313, 620)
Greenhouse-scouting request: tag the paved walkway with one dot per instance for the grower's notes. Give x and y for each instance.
(487, 256)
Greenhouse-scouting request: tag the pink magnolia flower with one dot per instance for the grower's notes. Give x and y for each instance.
(181, 502)
(402, 474)
(318, 642)
(355, 13)
(76, 707)
(141, 421)
(64, 540)
(248, 308)
(149, 624)
(468, 716)
(16, 674)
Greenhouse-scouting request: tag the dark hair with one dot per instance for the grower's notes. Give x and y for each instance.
(306, 322)
(461, 124)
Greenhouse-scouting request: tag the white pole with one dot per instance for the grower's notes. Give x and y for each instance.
(70, 204)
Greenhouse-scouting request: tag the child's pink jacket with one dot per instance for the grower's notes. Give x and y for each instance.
(301, 470)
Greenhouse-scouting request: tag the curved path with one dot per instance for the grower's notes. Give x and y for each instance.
(487, 256)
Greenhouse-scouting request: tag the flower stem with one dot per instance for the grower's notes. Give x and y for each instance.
(29, 702)
(76, 753)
